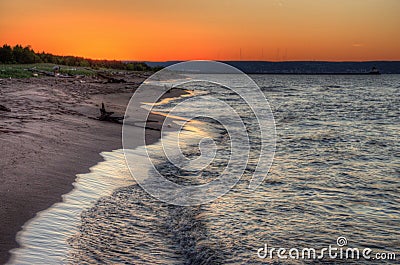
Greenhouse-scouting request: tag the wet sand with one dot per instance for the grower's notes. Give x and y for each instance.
(50, 136)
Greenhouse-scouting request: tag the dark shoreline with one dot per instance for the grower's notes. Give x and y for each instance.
(306, 67)
(255, 73)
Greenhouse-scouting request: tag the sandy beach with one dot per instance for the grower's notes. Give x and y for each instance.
(50, 135)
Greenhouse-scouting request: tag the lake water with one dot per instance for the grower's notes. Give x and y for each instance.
(335, 173)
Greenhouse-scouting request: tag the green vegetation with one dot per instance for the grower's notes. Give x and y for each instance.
(21, 70)
(13, 61)
(12, 71)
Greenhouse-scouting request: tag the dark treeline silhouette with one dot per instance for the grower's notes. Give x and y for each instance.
(26, 55)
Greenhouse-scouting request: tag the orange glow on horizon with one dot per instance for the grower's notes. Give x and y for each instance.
(160, 30)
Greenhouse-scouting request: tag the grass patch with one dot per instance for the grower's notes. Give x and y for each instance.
(13, 71)
(20, 70)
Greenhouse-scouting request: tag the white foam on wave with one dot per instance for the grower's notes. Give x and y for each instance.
(43, 239)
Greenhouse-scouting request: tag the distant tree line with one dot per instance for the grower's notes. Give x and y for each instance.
(26, 55)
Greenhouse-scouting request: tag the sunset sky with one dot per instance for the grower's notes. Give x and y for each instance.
(159, 30)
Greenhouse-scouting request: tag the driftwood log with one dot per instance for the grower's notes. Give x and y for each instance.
(111, 79)
(106, 115)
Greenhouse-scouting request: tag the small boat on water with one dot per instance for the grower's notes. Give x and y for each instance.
(374, 71)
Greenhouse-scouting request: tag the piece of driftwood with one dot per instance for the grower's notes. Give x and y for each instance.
(4, 108)
(111, 79)
(106, 115)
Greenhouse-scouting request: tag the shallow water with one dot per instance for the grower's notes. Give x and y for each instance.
(335, 173)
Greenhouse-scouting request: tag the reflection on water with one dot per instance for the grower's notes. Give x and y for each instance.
(336, 173)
